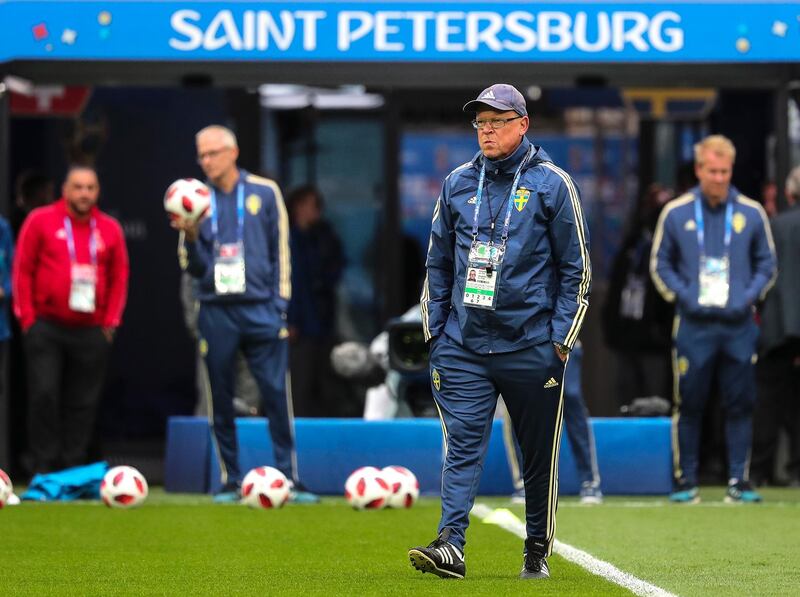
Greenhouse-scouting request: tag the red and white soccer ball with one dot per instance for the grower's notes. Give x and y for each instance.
(187, 198)
(6, 488)
(265, 487)
(404, 486)
(366, 489)
(123, 487)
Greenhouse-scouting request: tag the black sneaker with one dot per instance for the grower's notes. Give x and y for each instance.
(440, 558)
(534, 565)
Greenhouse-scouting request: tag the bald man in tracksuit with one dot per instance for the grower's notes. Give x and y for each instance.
(713, 255)
(512, 220)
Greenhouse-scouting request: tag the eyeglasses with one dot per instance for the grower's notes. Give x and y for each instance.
(211, 153)
(495, 123)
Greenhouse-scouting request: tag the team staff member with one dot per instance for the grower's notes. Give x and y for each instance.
(70, 284)
(714, 256)
(240, 256)
(513, 218)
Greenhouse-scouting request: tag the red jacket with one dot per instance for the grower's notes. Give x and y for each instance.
(41, 273)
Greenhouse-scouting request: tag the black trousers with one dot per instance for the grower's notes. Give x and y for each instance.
(778, 407)
(314, 391)
(66, 371)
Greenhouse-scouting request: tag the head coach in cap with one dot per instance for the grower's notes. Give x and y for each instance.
(514, 219)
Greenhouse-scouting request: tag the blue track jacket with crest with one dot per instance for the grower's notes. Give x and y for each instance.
(266, 244)
(545, 278)
(675, 255)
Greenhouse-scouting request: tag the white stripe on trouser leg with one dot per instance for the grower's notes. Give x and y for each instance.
(290, 411)
(223, 471)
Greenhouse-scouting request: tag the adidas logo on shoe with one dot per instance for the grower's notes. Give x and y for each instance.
(441, 558)
(551, 383)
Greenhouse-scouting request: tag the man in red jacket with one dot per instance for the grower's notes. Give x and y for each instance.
(70, 283)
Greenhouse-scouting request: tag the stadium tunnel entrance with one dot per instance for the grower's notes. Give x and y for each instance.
(622, 126)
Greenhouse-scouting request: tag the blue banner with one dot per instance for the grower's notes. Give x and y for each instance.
(401, 31)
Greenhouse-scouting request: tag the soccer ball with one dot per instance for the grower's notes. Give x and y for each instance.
(6, 488)
(404, 486)
(123, 487)
(366, 489)
(265, 487)
(187, 198)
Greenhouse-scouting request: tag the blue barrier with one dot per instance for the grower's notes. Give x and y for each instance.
(633, 454)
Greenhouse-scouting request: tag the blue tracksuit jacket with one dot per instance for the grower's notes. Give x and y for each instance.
(266, 244)
(545, 279)
(675, 256)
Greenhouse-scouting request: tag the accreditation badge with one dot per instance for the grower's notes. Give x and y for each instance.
(483, 272)
(229, 273)
(714, 282)
(82, 289)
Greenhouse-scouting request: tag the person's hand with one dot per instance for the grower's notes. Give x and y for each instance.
(191, 228)
(562, 356)
(109, 332)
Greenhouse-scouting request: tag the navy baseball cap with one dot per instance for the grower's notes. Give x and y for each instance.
(499, 96)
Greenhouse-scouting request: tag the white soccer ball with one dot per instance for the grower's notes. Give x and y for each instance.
(366, 489)
(265, 487)
(6, 488)
(123, 487)
(187, 198)
(403, 484)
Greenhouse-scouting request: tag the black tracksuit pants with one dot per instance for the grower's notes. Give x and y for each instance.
(66, 372)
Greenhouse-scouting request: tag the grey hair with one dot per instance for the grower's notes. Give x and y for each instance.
(793, 183)
(228, 137)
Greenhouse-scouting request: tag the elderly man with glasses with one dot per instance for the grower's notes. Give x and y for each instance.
(513, 220)
(240, 258)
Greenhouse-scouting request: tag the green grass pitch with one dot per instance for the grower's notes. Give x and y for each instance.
(184, 545)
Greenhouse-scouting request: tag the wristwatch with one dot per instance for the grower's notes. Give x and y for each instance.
(561, 348)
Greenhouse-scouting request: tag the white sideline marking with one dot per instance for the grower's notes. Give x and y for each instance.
(508, 520)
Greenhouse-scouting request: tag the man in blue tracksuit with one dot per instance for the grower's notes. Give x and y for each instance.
(240, 256)
(713, 255)
(506, 292)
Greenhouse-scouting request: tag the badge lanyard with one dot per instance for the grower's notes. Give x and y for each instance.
(479, 196)
(71, 241)
(714, 275)
(485, 259)
(239, 215)
(701, 236)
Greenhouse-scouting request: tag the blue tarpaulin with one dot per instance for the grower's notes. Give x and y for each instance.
(78, 483)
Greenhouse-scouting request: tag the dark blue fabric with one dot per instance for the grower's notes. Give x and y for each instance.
(78, 483)
(468, 386)
(6, 259)
(248, 327)
(576, 422)
(317, 264)
(545, 279)
(705, 350)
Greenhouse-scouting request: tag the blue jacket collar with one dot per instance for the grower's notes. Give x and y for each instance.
(733, 192)
(242, 178)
